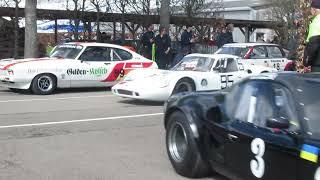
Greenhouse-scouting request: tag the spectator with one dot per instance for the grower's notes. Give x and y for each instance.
(229, 35)
(147, 40)
(163, 47)
(225, 35)
(312, 50)
(187, 40)
(66, 38)
(260, 39)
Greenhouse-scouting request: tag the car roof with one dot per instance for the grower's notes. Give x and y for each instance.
(214, 56)
(292, 80)
(96, 44)
(249, 44)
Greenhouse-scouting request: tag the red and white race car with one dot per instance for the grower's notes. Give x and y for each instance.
(263, 54)
(72, 65)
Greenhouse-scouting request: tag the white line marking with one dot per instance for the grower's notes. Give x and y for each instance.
(78, 121)
(54, 99)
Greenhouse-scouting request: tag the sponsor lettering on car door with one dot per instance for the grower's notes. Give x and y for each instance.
(91, 67)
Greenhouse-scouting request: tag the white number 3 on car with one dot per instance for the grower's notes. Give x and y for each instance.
(257, 165)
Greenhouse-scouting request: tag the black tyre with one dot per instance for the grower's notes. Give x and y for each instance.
(182, 148)
(44, 84)
(184, 85)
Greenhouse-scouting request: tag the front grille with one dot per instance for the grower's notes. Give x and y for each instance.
(125, 92)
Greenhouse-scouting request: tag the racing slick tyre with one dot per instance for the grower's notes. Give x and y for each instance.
(184, 85)
(182, 149)
(44, 84)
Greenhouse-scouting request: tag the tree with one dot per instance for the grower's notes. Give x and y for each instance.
(16, 24)
(283, 11)
(304, 10)
(31, 46)
(78, 8)
(165, 14)
(97, 5)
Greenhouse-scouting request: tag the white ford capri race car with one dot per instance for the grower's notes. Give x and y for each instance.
(196, 72)
(72, 65)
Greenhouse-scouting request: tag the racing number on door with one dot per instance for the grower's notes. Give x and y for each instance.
(257, 165)
(276, 66)
(119, 73)
(226, 81)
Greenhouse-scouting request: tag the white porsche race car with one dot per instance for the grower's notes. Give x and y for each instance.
(196, 72)
(72, 65)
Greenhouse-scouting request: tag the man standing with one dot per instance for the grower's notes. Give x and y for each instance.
(187, 40)
(312, 50)
(147, 40)
(163, 46)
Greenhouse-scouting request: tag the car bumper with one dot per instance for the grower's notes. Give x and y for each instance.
(141, 93)
(9, 83)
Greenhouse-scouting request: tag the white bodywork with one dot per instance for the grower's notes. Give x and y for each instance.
(262, 54)
(158, 85)
(19, 74)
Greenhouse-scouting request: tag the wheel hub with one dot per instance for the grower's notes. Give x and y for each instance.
(178, 143)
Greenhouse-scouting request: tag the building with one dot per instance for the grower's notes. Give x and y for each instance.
(247, 10)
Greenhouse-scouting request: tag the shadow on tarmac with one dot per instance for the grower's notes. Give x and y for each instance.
(141, 102)
(59, 91)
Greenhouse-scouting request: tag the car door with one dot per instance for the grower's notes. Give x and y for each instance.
(120, 56)
(253, 150)
(258, 56)
(281, 150)
(276, 57)
(91, 68)
(230, 72)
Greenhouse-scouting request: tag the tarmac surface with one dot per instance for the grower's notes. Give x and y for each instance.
(82, 134)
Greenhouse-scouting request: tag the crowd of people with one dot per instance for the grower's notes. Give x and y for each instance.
(158, 47)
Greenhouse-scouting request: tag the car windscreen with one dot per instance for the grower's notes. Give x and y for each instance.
(66, 51)
(311, 100)
(194, 63)
(236, 51)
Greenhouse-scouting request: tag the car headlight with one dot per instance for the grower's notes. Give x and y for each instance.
(10, 72)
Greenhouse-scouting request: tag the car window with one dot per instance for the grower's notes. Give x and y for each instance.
(245, 110)
(226, 65)
(96, 54)
(232, 97)
(274, 52)
(275, 101)
(265, 100)
(237, 51)
(258, 53)
(68, 51)
(121, 55)
(194, 63)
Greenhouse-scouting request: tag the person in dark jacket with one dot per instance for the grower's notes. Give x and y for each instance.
(312, 50)
(187, 40)
(147, 40)
(163, 47)
(225, 36)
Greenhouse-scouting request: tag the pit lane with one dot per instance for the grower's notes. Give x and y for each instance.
(81, 134)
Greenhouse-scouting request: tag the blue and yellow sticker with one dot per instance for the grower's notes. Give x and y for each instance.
(309, 153)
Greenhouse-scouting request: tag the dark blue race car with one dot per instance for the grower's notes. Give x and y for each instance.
(265, 127)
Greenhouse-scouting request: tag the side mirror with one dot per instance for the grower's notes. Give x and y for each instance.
(278, 123)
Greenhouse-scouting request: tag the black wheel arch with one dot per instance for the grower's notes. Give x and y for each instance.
(187, 78)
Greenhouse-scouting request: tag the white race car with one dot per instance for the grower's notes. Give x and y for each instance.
(196, 72)
(264, 54)
(72, 65)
